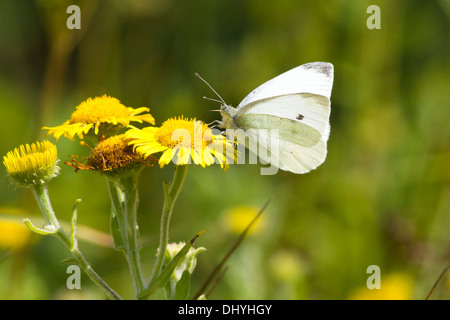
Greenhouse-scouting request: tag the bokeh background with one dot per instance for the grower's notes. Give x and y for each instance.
(381, 198)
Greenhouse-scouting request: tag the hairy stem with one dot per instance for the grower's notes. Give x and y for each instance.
(41, 194)
(171, 192)
(125, 200)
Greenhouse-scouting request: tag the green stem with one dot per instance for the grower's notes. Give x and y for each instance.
(125, 200)
(171, 192)
(41, 194)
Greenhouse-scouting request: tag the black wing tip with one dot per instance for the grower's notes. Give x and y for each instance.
(322, 67)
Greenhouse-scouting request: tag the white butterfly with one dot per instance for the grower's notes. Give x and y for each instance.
(287, 118)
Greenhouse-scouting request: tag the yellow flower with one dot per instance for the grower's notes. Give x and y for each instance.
(14, 235)
(238, 218)
(394, 286)
(181, 140)
(35, 164)
(111, 155)
(287, 266)
(99, 116)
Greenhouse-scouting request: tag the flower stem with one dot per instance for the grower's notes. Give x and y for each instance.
(125, 200)
(171, 191)
(41, 194)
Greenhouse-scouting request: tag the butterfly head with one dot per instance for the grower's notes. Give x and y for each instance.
(228, 120)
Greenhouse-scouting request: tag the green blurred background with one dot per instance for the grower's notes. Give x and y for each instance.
(382, 197)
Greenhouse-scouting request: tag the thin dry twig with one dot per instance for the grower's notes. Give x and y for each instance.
(216, 270)
(437, 281)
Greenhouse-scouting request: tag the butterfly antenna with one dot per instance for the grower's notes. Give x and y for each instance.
(221, 100)
(215, 100)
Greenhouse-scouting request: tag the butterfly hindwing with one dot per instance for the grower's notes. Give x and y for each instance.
(303, 108)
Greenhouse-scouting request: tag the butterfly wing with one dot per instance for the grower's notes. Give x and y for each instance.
(301, 109)
(287, 144)
(297, 105)
(315, 78)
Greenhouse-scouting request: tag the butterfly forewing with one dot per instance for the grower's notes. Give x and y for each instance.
(314, 77)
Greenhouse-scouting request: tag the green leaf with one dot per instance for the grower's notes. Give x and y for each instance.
(164, 277)
(47, 230)
(69, 260)
(167, 271)
(183, 286)
(73, 227)
(179, 284)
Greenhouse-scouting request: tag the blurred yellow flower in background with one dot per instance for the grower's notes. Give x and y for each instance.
(99, 116)
(14, 235)
(395, 286)
(287, 266)
(238, 218)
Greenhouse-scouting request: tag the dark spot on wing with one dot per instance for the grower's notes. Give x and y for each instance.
(300, 117)
(323, 67)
